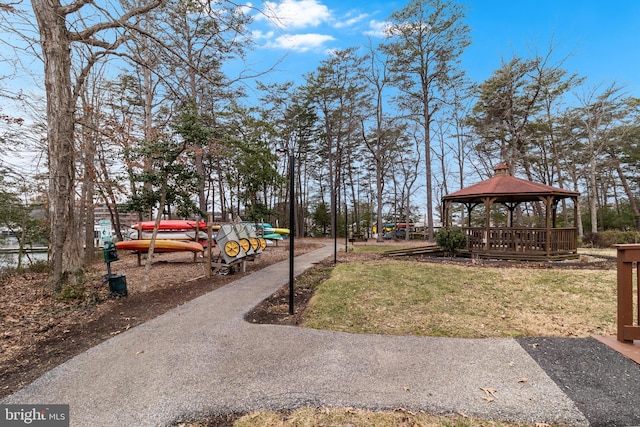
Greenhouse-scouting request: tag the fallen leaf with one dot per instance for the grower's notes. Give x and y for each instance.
(139, 352)
(489, 391)
(407, 389)
(523, 380)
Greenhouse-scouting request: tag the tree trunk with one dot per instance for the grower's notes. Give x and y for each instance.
(428, 170)
(593, 193)
(629, 192)
(88, 153)
(88, 188)
(379, 194)
(64, 242)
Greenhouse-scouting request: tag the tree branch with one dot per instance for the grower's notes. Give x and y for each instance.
(121, 22)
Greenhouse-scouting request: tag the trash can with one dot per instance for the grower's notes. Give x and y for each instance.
(118, 285)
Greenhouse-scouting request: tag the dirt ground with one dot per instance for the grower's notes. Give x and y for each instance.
(41, 331)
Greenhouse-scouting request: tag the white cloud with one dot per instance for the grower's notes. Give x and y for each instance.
(347, 22)
(377, 29)
(300, 42)
(290, 14)
(260, 35)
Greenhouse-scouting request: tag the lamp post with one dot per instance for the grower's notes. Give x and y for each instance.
(292, 224)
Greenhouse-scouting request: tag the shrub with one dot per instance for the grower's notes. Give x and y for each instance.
(39, 267)
(451, 240)
(72, 286)
(608, 238)
(71, 292)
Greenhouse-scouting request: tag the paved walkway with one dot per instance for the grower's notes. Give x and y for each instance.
(203, 358)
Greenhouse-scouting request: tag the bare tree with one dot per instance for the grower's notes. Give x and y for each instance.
(336, 92)
(382, 139)
(62, 28)
(598, 116)
(427, 38)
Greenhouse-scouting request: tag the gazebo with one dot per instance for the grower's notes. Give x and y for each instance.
(508, 242)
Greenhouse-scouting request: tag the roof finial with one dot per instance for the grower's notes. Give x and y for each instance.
(501, 169)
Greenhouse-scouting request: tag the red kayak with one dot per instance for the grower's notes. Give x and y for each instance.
(172, 224)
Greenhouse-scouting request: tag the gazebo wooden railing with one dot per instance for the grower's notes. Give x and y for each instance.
(526, 241)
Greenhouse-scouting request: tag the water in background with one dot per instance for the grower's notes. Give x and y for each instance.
(10, 260)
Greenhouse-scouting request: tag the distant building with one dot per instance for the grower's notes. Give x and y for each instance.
(126, 218)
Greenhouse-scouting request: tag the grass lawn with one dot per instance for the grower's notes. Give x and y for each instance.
(411, 298)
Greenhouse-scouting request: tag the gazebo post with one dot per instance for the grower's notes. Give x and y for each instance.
(548, 201)
(488, 201)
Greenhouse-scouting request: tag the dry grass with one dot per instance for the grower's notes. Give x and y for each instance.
(314, 417)
(409, 298)
(351, 417)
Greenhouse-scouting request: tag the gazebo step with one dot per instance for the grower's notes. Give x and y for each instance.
(520, 256)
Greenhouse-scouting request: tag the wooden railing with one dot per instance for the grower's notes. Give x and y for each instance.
(628, 322)
(522, 240)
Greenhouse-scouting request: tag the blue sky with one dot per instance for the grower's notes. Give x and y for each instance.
(601, 40)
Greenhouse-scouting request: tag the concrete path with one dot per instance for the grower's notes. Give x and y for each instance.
(203, 358)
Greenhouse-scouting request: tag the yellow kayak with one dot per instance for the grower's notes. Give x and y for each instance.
(161, 245)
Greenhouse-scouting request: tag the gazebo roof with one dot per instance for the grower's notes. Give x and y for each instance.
(506, 188)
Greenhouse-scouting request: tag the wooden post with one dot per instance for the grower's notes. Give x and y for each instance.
(209, 245)
(628, 325)
(548, 201)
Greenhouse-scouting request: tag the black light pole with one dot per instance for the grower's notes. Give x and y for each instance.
(292, 225)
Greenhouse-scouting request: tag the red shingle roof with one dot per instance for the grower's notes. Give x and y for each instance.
(506, 188)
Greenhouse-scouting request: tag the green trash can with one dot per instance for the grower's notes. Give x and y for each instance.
(118, 285)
